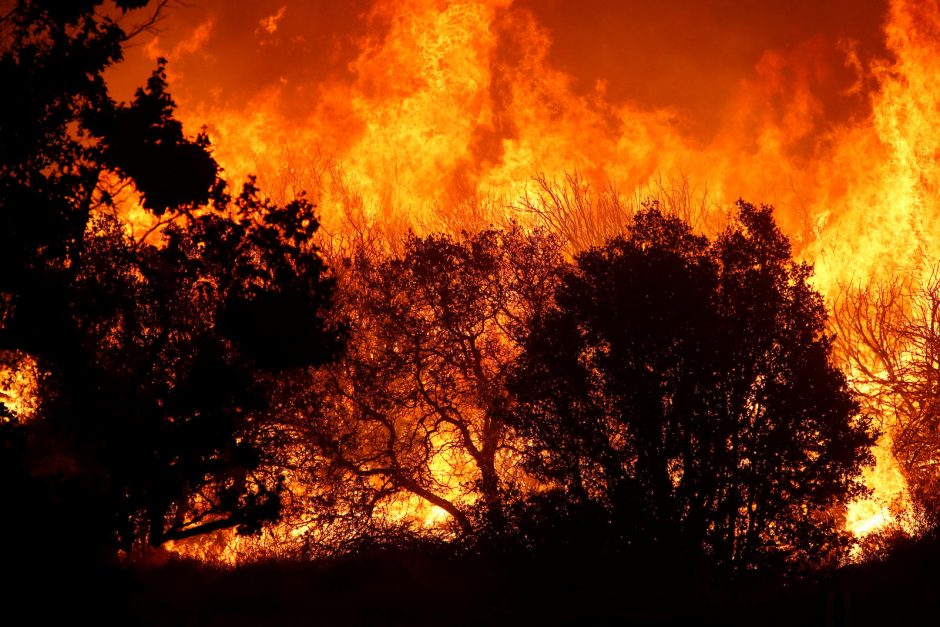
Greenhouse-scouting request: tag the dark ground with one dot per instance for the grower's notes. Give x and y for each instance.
(421, 588)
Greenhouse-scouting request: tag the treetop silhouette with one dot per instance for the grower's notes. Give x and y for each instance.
(682, 393)
(156, 360)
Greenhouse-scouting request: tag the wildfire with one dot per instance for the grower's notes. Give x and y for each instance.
(439, 115)
(889, 504)
(18, 386)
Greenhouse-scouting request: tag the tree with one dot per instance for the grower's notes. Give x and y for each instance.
(156, 358)
(890, 334)
(682, 394)
(180, 345)
(417, 404)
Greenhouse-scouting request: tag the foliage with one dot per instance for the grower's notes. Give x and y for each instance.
(418, 401)
(686, 389)
(154, 417)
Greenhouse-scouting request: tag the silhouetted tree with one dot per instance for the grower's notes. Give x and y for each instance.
(681, 393)
(890, 336)
(156, 360)
(179, 345)
(418, 402)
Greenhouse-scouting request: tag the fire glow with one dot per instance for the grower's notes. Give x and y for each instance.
(437, 115)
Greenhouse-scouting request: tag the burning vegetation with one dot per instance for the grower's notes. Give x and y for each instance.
(437, 280)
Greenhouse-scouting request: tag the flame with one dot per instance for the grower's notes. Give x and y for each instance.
(436, 113)
(890, 502)
(19, 386)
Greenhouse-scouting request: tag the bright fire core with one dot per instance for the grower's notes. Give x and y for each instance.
(437, 114)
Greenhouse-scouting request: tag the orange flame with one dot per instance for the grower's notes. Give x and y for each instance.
(19, 383)
(433, 106)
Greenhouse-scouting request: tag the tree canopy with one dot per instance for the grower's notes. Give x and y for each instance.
(682, 393)
(417, 403)
(154, 356)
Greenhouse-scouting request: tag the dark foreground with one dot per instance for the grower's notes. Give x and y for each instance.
(417, 588)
